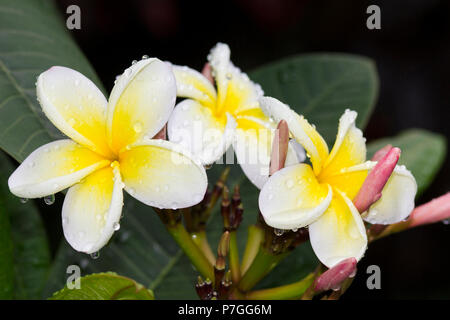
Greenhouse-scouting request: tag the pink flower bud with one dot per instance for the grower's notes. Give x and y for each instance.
(371, 189)
(381, 153)
(333, 278)
(436, 210)
(279, 147)
(207, 72)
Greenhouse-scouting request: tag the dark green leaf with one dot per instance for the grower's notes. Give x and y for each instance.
(33, 38)
(105, 286)
(321, 87)
(423, 153)
(25, 256)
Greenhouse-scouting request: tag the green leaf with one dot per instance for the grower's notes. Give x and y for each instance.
(105, 286)
(24, 251)
(321, 87)
(33, 38)
(423, 153)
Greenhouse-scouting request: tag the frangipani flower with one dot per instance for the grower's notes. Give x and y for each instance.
(110, 148)
(213, 118)
(320, 196)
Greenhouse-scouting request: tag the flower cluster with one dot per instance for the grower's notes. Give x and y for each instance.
(116, 144)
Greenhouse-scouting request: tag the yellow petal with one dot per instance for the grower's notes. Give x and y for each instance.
(161, 174)
(253, 147)
(348, 180)
(292, 198)
(52, 168)
(349, 148)
(75, 106)
(192, 84)
(219, 59)
(339, 233)
(140, 103)
(92, 210)
(303, 132)
(197, 129)
(397, 199)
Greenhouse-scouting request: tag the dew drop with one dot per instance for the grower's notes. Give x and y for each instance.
(133, 62)
(137, 126)
(71, 122)
(145, 57)
(278, 232)
(229, 76)
(49, 200)
(95, 255)
(116, 226)
(289, 183)
(23, 200)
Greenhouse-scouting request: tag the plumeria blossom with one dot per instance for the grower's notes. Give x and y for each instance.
(214, 117)
(320, 195)
(110, 149)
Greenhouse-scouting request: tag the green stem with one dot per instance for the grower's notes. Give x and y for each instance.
(263, 263)
(195, 255)
(254, 239)
(202, 243)
(290, 291)
(234, 258)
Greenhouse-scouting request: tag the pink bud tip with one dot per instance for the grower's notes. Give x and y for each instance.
(371, 189)
(161, 134)
(207, 72)
(333, 278)
(279, 147)
(381, 153)
(436, 210)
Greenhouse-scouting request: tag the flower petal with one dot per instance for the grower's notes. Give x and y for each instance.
(303, 132)
(196, 128)
(75, 106)
(161, 174)
(192, 84)
(219, 59)
(140, 103)
(292, 198)
(253, 148)
(53, 168)
(92, 210)
(397, 199)
(339, 233)
(349, 148)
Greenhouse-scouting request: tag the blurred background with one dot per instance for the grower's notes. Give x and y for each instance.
(411, 51)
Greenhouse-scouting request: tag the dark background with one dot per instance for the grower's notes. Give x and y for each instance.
(411, 50)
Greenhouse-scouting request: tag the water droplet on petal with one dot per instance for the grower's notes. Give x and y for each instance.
(137, 126)
(23, 200)
(95, 255)
(49, 200)
(278, 232)
(116, 226)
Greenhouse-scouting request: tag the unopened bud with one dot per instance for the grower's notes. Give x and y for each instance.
(333, 278)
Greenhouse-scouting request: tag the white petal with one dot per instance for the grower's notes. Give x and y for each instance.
(339, 233)
(192, 84)
(253, 148)
(52, 168)
(196, 128)
(303, 132)
(75, 106)
(92, 209)
(162, 174)
(397, 200)
(219, 59)
(292, 198)
(140, 103)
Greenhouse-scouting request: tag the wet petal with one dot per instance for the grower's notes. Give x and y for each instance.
(92, 210)
(253, 148)
(52, 168)
(140, 103)
(292, 198)
(339, 233)
(161, 174)
(75, 105)
(349, 148)
(303, 132)
(192, 84)
(196, 128)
